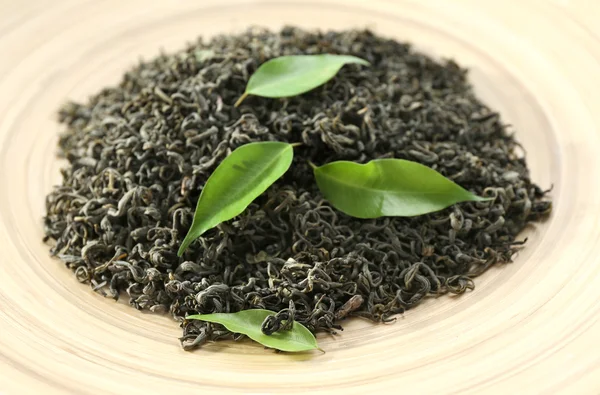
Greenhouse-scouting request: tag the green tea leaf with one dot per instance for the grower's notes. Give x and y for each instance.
(248, 322)
(296, 74)
(203, 54)
(245, 174)
(388, 187)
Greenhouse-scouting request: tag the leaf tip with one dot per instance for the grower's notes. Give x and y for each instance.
(184, 245)
(482, 199)
(359, 60)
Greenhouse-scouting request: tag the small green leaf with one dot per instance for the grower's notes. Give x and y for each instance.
(388, 187)
(296, 74)
(248, 322)
(245, 174)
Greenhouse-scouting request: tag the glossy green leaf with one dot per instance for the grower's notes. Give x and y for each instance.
(245, 174)
(388, 187)
(248, 322)
(296, 74)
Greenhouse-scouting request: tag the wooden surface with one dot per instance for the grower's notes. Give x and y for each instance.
(529, 327)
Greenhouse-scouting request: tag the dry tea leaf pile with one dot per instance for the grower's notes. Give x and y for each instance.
(140, 153)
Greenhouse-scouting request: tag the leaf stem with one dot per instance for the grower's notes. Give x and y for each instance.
(241, 99)
(312, 165)
(294, 145)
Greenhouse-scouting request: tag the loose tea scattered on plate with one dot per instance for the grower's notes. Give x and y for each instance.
(140, 154)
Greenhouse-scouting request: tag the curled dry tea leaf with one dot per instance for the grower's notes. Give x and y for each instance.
(204, 54)
(296, 74)
(238, 180)
(248, 322)
(388, 187)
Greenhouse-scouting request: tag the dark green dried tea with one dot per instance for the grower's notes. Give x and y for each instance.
(140, 153)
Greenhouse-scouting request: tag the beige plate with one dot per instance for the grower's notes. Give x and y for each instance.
(531, 326)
